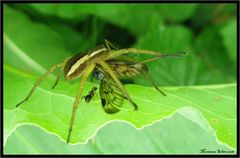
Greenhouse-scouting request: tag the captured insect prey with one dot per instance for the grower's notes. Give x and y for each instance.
(108, 65)
(110, 94)
(90, 95)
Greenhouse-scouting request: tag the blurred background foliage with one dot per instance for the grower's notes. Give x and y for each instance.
(206, 31)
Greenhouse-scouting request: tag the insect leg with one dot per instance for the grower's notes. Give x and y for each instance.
(40, 80)
(114, 77)
(76, 102)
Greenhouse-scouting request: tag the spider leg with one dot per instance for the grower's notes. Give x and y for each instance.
(147, 75)
(109, 45)
(114, 77)
(144, 71)
(40, 80)
(120, 52)
(57, 79)
(172, 55)
(76, 102)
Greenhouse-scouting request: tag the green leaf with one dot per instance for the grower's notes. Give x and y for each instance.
(208, 15)
(169, 39)
(122, 15)
(31, 46)
(42, 142)
(51, 109)
(176, 12)
(158, 138)
(72, 38)
(229, 34)
(214, 57)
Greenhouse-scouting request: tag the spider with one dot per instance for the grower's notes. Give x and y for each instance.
(108, 65)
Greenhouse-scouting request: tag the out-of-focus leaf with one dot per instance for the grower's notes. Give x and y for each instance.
(123, 15)
(176, 12)
(215, 59)
(73, 40)
(64, 10)
(229, 35)
(208, 15)
(29, 45)
(172, 39)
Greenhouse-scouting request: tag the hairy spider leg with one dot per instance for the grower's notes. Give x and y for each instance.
(114, 77)
(37, 83)
(108, 44)
(172, 55)
(120, 52)
(85, 75)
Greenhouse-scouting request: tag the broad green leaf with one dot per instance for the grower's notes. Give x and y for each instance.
(51, 109)
(158, 138)
(29, 139)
